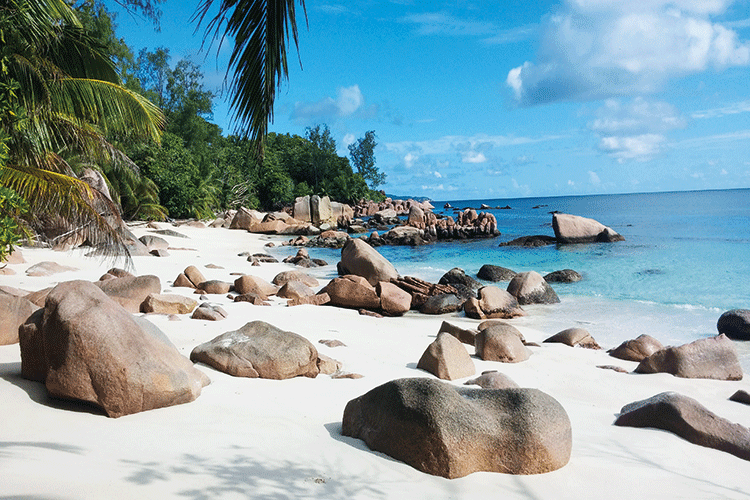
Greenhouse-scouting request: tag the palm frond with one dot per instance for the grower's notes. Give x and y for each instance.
(261, 29)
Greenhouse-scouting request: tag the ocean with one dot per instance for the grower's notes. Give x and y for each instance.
(684, 261)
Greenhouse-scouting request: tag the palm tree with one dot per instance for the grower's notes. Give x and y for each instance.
(261, 30)
(62, 98)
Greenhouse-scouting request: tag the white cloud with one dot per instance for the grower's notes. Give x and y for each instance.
(437, 174)
(473, 157)
(452, 144)
(635, 130)
(594, 49)
(349, 139)
(409, 160)
(732, 109)
(347, 101)
(639, 147)
(593, 178)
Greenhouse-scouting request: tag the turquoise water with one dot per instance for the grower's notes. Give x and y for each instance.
(686, 259)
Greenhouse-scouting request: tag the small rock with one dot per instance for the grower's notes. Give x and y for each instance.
(574, 337)
(208, 312)
(493, 380)
(446, 358)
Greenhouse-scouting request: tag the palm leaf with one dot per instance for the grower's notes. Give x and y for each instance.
(261, 29)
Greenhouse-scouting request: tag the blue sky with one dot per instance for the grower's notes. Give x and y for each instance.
(498, 99)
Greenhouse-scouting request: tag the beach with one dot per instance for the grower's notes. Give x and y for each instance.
(257, 438)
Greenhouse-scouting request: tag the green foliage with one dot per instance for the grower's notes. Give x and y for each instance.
(182, 188)
(12, 208)
(362, 153)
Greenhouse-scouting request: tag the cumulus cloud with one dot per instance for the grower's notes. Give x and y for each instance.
(347, 101)
(594, 49)
(473, 157)
(635, 130)
(639, 147)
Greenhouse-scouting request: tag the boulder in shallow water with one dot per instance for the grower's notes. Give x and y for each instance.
(451, 431)
(563, 276)
(735, 324)
(531, 288)
(489, 272)
(574, 229)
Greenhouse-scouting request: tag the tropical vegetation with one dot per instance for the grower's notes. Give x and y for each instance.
(75, 99)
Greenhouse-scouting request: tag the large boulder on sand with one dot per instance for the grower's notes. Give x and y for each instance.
(501, 342)
(353, 292)
(713, 358)
(259, 350)
(735, 324)
(636, 349)
(14, 311)
(168, 303)
(531, 288)
(446, 358)
(690, 420)
(131, 291)
(493, 302)
(87, 347)
(574, 229)
(393, 300)
(454, 431)
(247, 283)
(357, 257)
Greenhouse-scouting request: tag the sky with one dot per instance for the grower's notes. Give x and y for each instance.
(506, 99)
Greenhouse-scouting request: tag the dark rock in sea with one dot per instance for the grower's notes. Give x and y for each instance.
(465, 285)
(531, 288)
(451, 431)
(538, 206)
(447, 206)
(442, 304)
(650, 272)
(490, 272)
(735, 324)
(563, 276)
(538, 240)
(506, 207)
(690, 420)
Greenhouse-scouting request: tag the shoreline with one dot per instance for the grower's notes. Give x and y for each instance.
(258, 438)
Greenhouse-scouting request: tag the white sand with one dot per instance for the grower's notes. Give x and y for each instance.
(251, 438)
